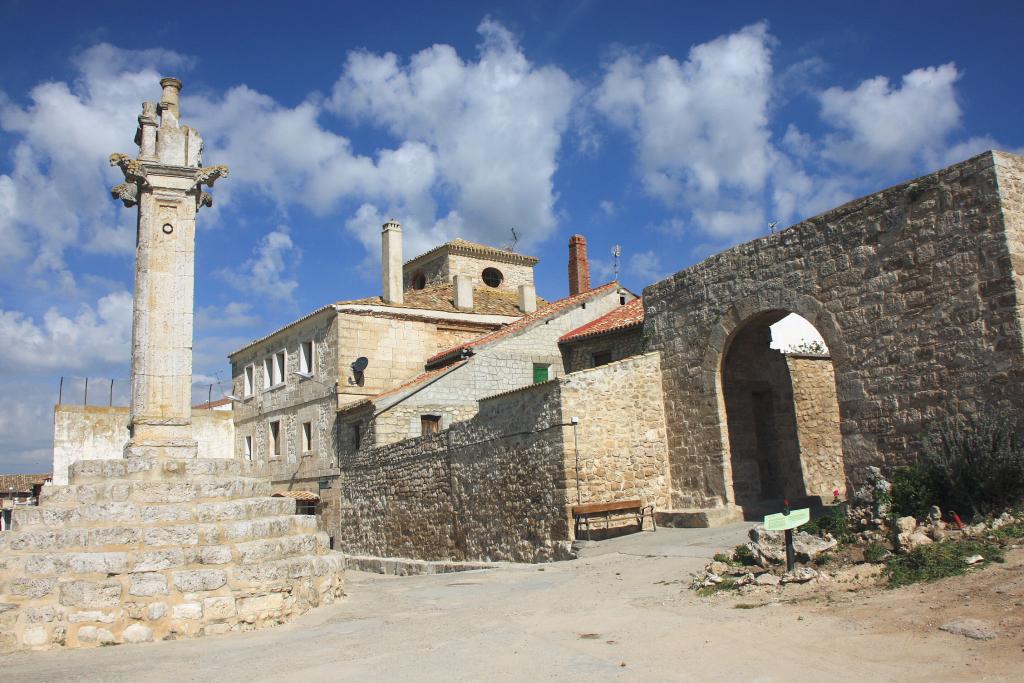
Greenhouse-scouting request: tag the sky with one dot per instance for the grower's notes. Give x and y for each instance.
(672, 129)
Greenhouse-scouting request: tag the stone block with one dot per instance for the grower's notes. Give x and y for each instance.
(138, 633)
(95, 634)
(222, 607)
(260, 604)
(188, 610)
(156, 611)
(144, 584)
(36, 636)
(172, 535)
(93, 615)
(156, 560)
(215, 554)
(41, 615)
(193, 581)
(90, 593)
(31, 588)
(98, 563)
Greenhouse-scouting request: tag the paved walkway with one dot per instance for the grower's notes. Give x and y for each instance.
(621, 612)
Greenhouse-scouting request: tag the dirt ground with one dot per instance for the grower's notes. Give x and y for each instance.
(622, 612)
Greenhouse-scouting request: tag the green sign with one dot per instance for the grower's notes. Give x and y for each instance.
(782, 521)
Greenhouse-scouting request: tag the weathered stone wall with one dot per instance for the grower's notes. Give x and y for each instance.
(623, 452)
(443, 269)
(500, 486)
(101, 432)
(579, 355)
(817, 424)
(915, 290)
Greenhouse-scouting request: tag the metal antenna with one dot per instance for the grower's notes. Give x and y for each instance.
(772, 225)
(616, 253)
(515, 239)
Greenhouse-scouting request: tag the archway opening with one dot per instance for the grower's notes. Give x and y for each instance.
(779, 390)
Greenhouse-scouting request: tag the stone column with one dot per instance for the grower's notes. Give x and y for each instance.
(165, 183)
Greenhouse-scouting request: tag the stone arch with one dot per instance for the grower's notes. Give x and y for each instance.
(757, 312)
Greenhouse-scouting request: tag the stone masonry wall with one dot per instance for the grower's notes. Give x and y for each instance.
(101, 432)
(623, 453)
(817, 424)
(916, 291)
(579, 355)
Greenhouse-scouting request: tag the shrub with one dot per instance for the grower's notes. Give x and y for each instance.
(875, 552)
(742, 554)
(914, 490)
(937, 561)
(835, 521)
(976, 465)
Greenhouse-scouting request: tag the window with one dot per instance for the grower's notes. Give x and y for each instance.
(430, 424)
(540, 373)
(305, 507)
(248, 448)
(248, 380)
(492, 277)
(420, 281)
(268, 373)
(274, 439)
(306, 358)
(280, 362)
(357, 436)
(602, 358)
(622, 299)
(307, 437)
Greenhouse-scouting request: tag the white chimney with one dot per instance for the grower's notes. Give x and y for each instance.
(463, 293)
(391, 261)
(527, 298)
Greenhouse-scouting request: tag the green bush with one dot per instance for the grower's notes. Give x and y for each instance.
(875, 552)
(975, 465)
(914, 490)
(721, 557)
(835, 521)
(742, 554)
(937, 561)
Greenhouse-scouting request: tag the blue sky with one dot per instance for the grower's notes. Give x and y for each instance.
(673, 129)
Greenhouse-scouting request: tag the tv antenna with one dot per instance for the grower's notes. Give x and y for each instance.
(515, 240)
(772, 225)
(616, 253)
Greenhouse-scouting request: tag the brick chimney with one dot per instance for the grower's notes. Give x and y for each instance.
(579, 267)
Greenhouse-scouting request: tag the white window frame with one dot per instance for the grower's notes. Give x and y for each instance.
(307, 437)
(247, 445)
(268, 372)
(307, 356)
(248, 380)
(274, 440)
(280, 367)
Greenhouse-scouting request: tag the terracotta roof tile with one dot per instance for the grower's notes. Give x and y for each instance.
(297, 495)
(21, 483)
(623, 317)
(524, 322)
(486, 301)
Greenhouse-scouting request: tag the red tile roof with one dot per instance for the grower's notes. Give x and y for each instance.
(524, 322)
(623, 317)
(22, 483)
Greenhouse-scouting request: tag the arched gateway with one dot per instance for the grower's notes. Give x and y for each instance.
(918, 293)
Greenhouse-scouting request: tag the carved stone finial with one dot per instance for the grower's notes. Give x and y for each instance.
(170, 97)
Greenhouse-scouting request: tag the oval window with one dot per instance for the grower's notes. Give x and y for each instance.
(492, 277)
(420, 281)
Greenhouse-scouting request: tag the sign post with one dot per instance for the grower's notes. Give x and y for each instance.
(787, 520)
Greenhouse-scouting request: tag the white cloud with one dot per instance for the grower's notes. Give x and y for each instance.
(100, 335)
(494, 127)
(233, 315)
(607, 206)
(646, 266)
(700, 125)
(270, 270)
(880, 126)
(55, 196)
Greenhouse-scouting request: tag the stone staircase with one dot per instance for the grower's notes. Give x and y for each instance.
(143, 549)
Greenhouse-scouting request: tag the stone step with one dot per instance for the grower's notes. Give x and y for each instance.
(86, 471)
(155, 491)
(139, 514)
(263, 574)
(101, 564)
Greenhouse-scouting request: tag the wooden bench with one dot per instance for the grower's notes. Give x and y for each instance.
(582, 513)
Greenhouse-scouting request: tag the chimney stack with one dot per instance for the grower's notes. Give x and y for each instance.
(169, 98)
(391, 261)
(527, 299)
(579, 267)
(463, 292)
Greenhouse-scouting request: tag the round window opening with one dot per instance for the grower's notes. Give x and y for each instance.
(420, 281)
(492, 277)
